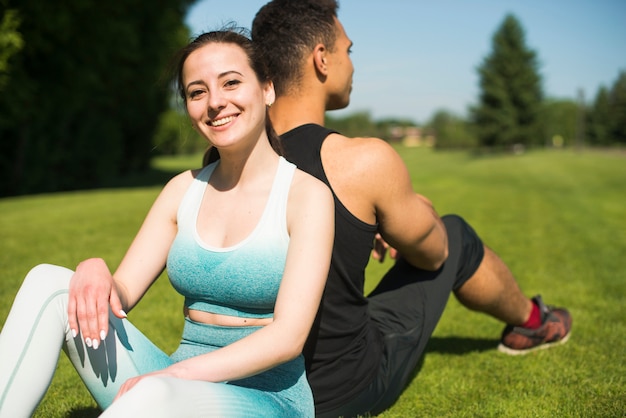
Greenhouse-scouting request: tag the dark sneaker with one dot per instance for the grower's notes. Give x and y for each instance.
(556, 324)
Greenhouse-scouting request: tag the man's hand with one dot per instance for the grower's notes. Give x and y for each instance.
(92, 292)
(381, 248)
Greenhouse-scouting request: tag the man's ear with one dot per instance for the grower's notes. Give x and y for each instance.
(319, 59)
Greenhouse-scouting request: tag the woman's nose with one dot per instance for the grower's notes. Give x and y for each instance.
(217, 101)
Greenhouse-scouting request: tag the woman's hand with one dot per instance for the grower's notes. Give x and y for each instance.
(92, 292)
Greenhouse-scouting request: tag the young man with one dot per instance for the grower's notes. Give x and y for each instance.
(362, 350)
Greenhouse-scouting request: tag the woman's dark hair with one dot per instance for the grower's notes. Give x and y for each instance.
(229, 35)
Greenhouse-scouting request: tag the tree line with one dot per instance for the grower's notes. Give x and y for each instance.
(512, 110)
(84, 99)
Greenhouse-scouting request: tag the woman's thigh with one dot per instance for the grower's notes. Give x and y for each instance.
(169, 397)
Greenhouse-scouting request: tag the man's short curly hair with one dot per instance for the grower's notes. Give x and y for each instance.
(286, 31)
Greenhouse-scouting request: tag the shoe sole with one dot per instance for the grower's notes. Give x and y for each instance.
(512, 352)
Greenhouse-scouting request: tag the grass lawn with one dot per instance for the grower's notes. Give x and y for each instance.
(557, 218)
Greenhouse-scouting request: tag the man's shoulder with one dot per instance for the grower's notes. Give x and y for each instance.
(304, 131)
(362, 172)
(360, 151)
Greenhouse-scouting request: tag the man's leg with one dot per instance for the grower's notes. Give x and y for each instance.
(531, 324)
(493, 290)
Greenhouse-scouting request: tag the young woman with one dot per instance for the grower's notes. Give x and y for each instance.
(247, 240)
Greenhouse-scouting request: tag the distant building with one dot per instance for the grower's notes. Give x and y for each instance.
(412, 136)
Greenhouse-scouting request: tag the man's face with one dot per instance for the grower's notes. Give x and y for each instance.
(339, 80)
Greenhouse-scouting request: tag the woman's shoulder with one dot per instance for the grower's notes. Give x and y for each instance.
(308, 191)
(310, 205)
(183, 179)
(178, 185)
(307, 183)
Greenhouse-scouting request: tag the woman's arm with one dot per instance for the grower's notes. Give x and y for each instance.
(93, 289)
(310, 222)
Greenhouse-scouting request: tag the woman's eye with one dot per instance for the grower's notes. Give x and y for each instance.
(232, 83)
(195, 93)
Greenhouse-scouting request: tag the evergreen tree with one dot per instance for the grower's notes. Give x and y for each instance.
(511, 94)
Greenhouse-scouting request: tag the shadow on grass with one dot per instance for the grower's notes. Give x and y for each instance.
(443, 345)
(460, 345)
(88, 412)
(454, 345)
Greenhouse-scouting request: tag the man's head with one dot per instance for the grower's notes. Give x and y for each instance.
(287, 33)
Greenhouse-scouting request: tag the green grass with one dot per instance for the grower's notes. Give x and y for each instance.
(557, 218)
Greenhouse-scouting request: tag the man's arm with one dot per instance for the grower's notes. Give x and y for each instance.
(407, 221)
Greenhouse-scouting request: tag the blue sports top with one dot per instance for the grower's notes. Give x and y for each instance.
(240, 280)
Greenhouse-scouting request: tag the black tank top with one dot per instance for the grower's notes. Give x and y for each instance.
(344, 348)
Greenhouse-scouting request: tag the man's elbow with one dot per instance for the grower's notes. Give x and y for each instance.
(431, 260)
(443, 256)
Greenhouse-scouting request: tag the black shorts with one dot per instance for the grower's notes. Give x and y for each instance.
(406, 306)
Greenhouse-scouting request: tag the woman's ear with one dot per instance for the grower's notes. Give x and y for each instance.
(270, 93)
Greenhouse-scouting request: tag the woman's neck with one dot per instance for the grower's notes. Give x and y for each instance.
(236, 169)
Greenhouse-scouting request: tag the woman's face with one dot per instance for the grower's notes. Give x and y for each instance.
(224, 98)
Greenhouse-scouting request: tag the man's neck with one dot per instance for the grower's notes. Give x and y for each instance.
(289, 112)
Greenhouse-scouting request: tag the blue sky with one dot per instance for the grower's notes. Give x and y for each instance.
(413, 57)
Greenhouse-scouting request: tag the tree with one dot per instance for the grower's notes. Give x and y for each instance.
(617, 103)
(606, 119)
(85, 91)
(175, 136)
(511, 93)
(560, 120)
(10, 42)
(451, 130)
(599, 119)
(354, 124)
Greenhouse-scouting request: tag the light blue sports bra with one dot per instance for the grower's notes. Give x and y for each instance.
(241, 280)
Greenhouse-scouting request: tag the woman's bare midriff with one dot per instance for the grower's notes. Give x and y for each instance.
(225, 320)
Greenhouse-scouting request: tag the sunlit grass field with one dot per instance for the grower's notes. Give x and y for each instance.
(557, 217)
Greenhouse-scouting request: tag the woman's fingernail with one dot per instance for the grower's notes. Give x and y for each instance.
(88, 342)
(103, 335)
(96, 344)
(74, 333)
(123, 313)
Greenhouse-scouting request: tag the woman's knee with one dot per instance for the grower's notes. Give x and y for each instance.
(50, 276)
(155, 390)
(45, 280)
(151, 396)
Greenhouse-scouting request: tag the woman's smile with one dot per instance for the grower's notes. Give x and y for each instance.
(222, 121)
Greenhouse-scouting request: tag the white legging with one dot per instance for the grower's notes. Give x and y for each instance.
(36, 330)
